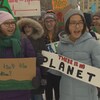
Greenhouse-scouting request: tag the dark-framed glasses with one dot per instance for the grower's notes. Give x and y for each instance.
(7, 24)
(74, 23)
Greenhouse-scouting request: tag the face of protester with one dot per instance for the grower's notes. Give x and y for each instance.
(50, 24)
(8, 27)
(96, 21)
(75, 27)
(28, 29)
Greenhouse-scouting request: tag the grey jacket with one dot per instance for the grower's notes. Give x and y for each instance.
(86, 50)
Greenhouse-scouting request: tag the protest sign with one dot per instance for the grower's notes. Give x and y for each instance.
(25, 7)
(17, 73)
(59, 4)
(72, 68)
(60, 7)
(52, 47)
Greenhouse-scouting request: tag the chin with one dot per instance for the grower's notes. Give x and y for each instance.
(10, 34)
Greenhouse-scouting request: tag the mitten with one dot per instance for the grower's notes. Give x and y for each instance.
(43, 82)
(36, 81)
(39, 59)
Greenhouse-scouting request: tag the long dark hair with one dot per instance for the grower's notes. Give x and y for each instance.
(56, 29)
(54, 34)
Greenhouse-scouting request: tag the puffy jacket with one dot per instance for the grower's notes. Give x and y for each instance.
(86, 50)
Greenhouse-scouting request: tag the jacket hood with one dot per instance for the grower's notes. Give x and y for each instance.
(64, 38)
(71, 12)
(36, 25)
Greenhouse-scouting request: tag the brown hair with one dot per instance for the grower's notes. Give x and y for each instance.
(55, 34)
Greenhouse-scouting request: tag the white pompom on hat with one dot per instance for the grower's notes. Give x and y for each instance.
(71, 12)
(5, 16)
(50, 15)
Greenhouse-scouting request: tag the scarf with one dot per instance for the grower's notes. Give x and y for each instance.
(13, 42)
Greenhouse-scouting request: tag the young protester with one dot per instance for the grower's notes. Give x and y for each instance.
(88, 18)
(96, 27)
(96, 24)
(96, 18)
(76, 43)
(51, 35)
(13, 44)
(34, 31)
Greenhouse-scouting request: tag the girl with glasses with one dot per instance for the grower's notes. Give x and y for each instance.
(78, 44)
(13, 44)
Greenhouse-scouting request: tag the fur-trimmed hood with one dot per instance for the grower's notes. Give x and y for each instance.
(36, 25)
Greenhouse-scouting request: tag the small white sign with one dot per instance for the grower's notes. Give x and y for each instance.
(52, 47)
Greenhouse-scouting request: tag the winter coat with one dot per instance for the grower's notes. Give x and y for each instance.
(47, 41)
(39, 46)
(86, 50)
(38, 43)
(27, 51)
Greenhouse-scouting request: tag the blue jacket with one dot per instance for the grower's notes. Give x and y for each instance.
(86, 50)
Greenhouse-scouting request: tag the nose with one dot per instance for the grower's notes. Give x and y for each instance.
(10, 24)
(49, 24)
(77, 25)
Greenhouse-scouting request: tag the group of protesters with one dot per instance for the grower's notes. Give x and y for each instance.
(27, 37)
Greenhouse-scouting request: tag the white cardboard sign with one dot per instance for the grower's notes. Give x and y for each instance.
(25, 7)
(72, 68)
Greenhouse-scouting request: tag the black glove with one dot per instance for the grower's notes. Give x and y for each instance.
(39, 59)
(36, 81)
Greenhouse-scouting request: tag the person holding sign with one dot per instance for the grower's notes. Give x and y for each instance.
(34, 31)
(77, 44)
(51, 31)
(13, 45)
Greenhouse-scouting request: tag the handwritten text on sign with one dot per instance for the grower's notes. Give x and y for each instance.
(17, 69)
(72, 68)
(25, 7)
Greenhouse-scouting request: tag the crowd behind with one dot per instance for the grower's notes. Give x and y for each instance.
(78, 40)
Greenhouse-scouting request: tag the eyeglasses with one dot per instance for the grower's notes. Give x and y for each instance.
(74, 24)
(7, 24)
(27, 26)
(50, 21)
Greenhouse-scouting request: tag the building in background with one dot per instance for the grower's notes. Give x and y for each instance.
(90, 5)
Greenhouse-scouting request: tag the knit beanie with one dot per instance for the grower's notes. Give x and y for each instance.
(50, 15)
(71, 12)
(5, 16)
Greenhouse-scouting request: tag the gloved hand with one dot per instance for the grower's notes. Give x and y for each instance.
(39, 59)
(43, 82)
(36, 81)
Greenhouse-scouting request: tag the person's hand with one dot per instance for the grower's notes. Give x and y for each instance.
(43, 82)
(36, 82)
(39, 59)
